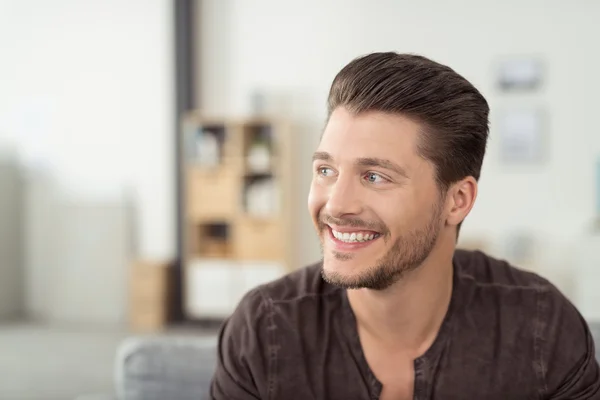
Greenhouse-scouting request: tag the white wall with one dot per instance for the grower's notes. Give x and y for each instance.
(11, 241)
(87, 101)
(296, 48)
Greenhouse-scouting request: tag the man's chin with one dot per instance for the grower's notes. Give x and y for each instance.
(345, 274)
(354, 275)
(335, 278)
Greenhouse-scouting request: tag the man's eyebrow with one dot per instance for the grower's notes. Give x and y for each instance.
(382, 163)
(322, 156)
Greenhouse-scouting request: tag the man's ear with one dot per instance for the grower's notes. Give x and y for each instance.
(460, 200)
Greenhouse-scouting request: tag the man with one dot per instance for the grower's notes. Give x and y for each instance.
(394, 311)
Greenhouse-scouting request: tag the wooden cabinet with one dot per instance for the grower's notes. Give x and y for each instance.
(237, 186)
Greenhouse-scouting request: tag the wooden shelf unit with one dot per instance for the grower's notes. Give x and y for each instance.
(237, 211)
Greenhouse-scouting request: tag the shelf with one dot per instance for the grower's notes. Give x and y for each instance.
(237, 234)
(210, 240)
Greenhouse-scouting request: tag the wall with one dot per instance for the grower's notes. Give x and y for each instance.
(11, 240)
(87, 101)
(294, 49)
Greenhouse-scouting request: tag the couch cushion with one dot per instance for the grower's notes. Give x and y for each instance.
(159, 368)
(595, 328)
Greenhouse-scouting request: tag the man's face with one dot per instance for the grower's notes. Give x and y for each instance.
(373, 200)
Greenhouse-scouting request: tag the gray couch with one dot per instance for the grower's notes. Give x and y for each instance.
(177, 368)
(165, 368)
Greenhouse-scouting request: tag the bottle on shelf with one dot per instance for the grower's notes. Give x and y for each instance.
(207, 149)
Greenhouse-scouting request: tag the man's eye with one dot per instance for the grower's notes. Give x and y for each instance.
(324, 171)
(372, 177)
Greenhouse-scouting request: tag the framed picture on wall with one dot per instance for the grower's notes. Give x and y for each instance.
(522, 134)
(519, 74)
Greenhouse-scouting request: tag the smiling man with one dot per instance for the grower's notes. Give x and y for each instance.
(394, 311)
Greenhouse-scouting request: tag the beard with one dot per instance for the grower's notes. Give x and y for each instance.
(407, 253)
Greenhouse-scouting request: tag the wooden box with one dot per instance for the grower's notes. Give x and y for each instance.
(258, 239)
(150, 295)
(212, 193)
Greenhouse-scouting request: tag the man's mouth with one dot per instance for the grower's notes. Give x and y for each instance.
(354, 236)
(351, 234)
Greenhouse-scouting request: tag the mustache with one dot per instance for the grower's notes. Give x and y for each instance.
(352, 223)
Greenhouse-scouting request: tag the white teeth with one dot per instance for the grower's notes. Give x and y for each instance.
(354, 237)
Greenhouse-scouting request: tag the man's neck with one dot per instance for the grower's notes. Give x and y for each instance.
(408, 315)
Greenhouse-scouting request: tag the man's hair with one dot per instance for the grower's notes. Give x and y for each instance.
(452, 112)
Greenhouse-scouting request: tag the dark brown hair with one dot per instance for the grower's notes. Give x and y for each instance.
(453, 113)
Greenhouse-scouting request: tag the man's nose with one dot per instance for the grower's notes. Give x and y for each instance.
(344, 198)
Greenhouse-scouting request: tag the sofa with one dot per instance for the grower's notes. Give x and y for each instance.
(177, 368)
(165, 368)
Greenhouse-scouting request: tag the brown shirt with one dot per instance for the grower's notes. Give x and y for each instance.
(508, 334)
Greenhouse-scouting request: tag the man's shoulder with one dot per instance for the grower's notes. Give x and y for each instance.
(481, 269)
(302, 283)
(498, 289)
(533, 318)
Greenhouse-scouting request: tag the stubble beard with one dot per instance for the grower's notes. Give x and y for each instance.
(407, 253)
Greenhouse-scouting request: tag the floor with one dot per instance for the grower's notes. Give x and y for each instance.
(39, 362)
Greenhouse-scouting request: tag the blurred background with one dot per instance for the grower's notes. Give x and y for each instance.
(155, 158)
